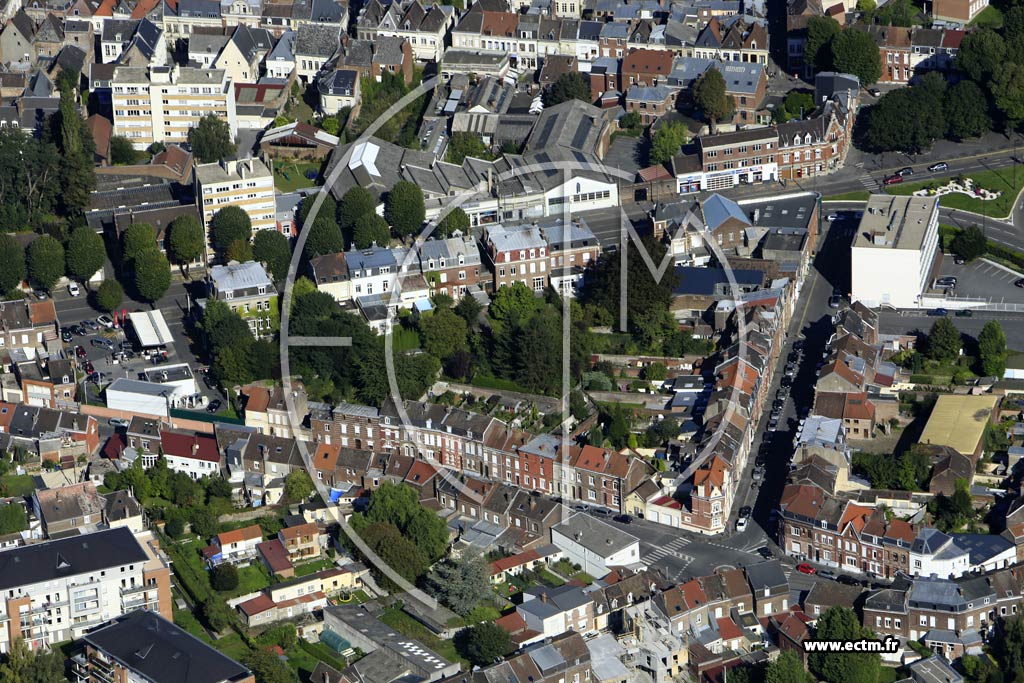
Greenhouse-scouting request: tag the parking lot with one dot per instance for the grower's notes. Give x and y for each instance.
(110, 364)
(982, 280)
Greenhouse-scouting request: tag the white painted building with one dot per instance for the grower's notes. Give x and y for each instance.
(594, 545)
(894, 252)
(245, 183)
(135, 397)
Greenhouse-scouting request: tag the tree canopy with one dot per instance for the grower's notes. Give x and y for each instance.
(370, 229)
(460, 583)
(456, 219)
(185, 239)
(466, 144)
(969, 243)
(228, 225)
(840, 623)
(271, 248)
(45, 262)
(667, 141)
(444, 333)
(944, 342)
(211, 139)
(12, 263)
(85, 253)
(711, 98)
(483, 643)
(855, 52)
(818, 49)
(298, 486)
(355, 203)
(992, 349)
(404, 208)
(324, 234)
(569, 86)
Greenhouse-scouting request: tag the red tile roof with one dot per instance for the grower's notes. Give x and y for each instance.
(247, 533)
(506, 563)
(258, 605)
(307, 529)
(184, 445)
(275, 555)
(728, 629)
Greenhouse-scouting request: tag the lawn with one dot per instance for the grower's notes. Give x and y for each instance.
(250, 579)
(17, 485)
(550, 579)
(887, 674)
(990, 17)
(407, 626)
(188, 621)
(233, 646)
(313, 567)
(1003, 180)
(857, 196)
(290, 176)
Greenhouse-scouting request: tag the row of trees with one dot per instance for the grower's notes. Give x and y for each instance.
(354, 222)
(149, 269)
(829, 47)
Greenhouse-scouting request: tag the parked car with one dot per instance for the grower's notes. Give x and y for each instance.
(214, 406)
(741, 524)
(88, 367)
(893, 180)
(772, 424)
(90, 324)
(106, 321)
(80, 351)
(959, 260)
(875, 92)
(745, 511)
(759, 461)
(601, 512)
(848, 580)
(834, 301)
(117, 422)
(798, 344)
(786, 382)
(805, 568)
(623, 519)
(940, 166)
(905, 171)
(73, 289)
(78, 330)
(827, 574)
(65, 335)
(964, 313)
(102, 343)
(41, 294)
(765, 552)
(1019, 283)
(946, 281)
(832, 217)
(937, 312)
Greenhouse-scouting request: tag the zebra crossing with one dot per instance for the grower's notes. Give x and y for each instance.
(673, 548)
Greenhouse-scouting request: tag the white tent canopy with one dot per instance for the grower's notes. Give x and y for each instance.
(150, 328)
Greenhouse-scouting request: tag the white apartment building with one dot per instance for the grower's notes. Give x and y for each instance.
(894, 251)
(58, 590)
(161, 103)
(245, 183)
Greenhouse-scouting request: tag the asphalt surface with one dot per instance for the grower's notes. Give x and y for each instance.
(174, 306)
(984, 280)
(914, 322)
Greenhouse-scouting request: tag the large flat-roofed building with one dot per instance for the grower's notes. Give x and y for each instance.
(143, 646)
(161, 104)
(61, 589)
(959, 422)
(245, 183)
(894, 251)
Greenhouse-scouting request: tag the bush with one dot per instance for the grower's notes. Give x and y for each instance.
(225, 578)
(175, 527)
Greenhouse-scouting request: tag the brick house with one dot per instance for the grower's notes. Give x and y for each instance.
(301, 541)
(348, 425)
(646, 67)
(749, 150)
(517, 254)
(957, 11)
(732, 40)
(651, 103)
(452, 266)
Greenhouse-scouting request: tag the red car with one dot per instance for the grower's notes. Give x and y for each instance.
(80, 351)
(805, 568)
(893, 180)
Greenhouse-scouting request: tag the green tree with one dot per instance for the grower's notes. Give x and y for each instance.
(298, 486)
(821, 31)
(396, 504)
(185, 240)
(630, 121)
(514, 300)
(468, 309)
(840, 623)
(268, 668)
(799, 103)
(855, 52)
(1007, 89)
(980, 54)
(85, 253)
(271, 248)
(483, 643)
(217, 614)
(175, 527)
(228, 225)
(404, 209)
(569, 86)
(966, 111)
(667, 141)
(944, 342)
(13, 518)
(136, 239)
(330, 125)
(358, 201)
(460, 583)
(992, 349)
(787, 668)
(370, 229)
(211, 140)
(121, 150)
(12, 263)
(395, 550)
(456, 219)
(710, 97)
(325, 236)
(969, 243)
(45, 262)
(109, 295)
(238, 250)
(466, 144)
(152, 275)
(22, 665)
(444, 333)
(224, 577)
